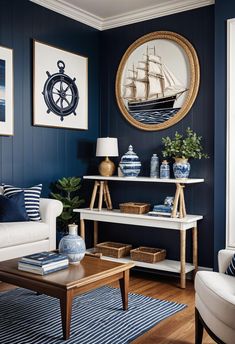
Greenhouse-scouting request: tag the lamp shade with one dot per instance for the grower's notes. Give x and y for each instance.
(107, 146)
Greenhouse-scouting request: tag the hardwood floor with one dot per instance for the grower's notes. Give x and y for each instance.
(177, 329)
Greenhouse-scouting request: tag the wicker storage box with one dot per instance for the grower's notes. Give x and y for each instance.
(113, 249)
(148, 254)
(134, 208)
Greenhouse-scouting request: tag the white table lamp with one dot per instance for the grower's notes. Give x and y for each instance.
(106, 147)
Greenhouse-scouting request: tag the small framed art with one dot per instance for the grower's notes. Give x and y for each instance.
(6, 91)
(60, 88)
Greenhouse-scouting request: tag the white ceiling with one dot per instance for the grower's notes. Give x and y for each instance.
(106, 14)
(110, 8)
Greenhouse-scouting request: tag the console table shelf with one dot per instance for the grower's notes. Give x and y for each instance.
(101, 184)
(164, 265)
(147, 179)
(179, 224)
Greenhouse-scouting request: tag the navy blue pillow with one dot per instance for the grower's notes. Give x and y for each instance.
(231, 268)
(12, 209)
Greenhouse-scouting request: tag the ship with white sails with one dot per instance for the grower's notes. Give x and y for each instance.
(151, 86)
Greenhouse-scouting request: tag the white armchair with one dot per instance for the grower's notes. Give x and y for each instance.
(215, 302)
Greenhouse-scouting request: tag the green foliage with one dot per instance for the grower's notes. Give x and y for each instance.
(188, 146)
(67, 189)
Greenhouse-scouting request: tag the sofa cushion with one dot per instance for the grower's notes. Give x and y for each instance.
(12, 209)
(231, 268)
(13, 234)
(31, 197)
(217, 292)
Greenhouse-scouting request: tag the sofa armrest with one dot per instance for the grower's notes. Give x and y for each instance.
(224, 258)
(49, 210)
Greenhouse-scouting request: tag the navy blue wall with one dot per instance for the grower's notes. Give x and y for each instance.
(39, 154)
(198, 27)
(224, 9)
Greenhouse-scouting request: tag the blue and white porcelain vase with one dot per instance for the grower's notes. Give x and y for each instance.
(73, 245)
(164, 170)
(181, 168)
(130, 164)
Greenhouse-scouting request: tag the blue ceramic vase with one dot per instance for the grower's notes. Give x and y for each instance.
(181, 168)
(130, 164)
(73, 245)
(164, 170)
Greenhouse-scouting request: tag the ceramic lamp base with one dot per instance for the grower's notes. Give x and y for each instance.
(106, 168)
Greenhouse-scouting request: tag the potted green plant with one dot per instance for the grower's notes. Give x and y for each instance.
(66, 191)
(181, 148)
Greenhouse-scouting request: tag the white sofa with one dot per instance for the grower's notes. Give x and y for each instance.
(215, 302)
(21, 238)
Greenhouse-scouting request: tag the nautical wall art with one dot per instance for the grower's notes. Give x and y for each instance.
(6, 91)
(60, 88)
(157, 80)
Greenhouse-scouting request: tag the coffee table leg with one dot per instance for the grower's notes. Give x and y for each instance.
(66, 311)
(124, 287)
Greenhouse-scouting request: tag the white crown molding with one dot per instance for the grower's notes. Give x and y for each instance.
(166, 8)
(147, 13)
(74, 12)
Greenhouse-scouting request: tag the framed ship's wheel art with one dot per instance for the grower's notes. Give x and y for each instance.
(157, 80)
(60, 88)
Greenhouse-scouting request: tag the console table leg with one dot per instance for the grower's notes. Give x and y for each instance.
(101, 195)
(95, 233)
(176, 201)
(82, 228)
(124, 286)
(94, 192)
(66, 311)
(110, 206)
(182, 258)
(195, 250)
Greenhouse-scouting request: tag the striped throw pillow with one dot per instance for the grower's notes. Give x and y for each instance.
(31, 199)
(231, 268)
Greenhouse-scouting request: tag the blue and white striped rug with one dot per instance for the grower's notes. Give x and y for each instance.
(97, 317)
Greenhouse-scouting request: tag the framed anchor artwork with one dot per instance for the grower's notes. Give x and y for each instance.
(60, 88)
(157, 80)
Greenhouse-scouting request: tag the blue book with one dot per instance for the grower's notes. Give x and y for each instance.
(40, 270)
(43, 258)
(162, 208)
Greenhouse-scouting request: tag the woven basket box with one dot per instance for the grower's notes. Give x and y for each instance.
(148, 254)
(113, 249)
(134, 207)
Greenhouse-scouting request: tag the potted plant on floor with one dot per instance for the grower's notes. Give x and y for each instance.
(66, 191)
(181, 148)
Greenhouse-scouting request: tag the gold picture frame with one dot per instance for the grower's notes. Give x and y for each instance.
(149, 95)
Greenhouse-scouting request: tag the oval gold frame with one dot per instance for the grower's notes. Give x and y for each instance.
(193, 84)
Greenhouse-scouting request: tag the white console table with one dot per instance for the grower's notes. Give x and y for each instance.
(182, 225)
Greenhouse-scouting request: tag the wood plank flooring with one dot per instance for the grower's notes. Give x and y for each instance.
(177, 329)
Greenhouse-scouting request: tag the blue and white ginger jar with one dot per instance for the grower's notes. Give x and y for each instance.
(181, 168)
(73, 245)
(130, 164)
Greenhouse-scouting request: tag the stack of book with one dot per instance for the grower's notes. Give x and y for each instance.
(161, 210)
(43, 263)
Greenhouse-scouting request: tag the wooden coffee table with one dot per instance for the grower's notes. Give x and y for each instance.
(90, 274)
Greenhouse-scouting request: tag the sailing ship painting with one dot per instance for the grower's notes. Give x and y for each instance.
(151, 91)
